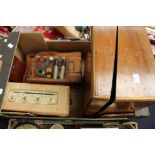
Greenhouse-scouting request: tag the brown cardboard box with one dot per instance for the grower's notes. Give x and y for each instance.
(22, 44)
(52, 100)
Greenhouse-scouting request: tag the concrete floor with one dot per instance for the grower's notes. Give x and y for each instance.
(148, 122)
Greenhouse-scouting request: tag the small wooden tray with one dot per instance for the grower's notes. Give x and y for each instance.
(73, 73)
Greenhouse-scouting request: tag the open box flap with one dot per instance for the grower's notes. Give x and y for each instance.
(27, 45)
(68, 46)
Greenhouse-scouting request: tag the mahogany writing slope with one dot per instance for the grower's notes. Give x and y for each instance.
(135, 68)
(135, 75)
(103, 54)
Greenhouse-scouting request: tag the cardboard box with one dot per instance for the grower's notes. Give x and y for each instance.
(37, 99)
(19, 45)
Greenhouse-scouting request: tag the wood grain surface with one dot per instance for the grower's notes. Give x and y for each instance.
(104, 40)
(112, 109)
(136, 66)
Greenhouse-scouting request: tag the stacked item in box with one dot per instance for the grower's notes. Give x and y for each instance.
(59, 32)
(53, 67)
(5, 30)
(151, 36)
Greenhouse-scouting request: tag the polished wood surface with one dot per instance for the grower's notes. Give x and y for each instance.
(136, 66)
(103, 55)
(113, 109)
(104, 42)
(135, 84)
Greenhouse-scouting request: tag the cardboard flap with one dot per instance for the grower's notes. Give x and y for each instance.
(68, 46)
(28, 41)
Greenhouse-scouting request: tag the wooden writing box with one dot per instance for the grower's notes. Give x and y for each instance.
(73, 69)
(136, 68)
(135, 74)
(100, 74)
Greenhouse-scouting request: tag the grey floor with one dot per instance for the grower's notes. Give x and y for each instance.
(148, 122)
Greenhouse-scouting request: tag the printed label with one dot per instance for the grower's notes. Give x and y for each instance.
(5, 40)
(1, 91)
(32, 97)
(136, 78)
(10, 45)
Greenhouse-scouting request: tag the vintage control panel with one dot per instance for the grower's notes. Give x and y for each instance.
(32, 97)
(38, 99)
